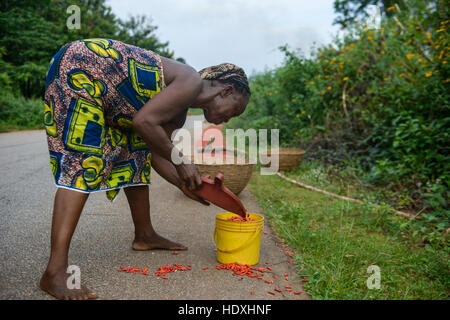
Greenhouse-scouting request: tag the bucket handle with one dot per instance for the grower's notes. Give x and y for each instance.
(238, 248)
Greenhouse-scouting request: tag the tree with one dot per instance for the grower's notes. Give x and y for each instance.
(32, 31)
(138, 31)
(29, 42)
(348, 11)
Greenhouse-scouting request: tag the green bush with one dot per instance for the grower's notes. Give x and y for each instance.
(20, 113)
(31, 32)
(377, 100)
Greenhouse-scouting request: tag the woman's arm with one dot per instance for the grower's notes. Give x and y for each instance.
(167, 170)
(183, 86)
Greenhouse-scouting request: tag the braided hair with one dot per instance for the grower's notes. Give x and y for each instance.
(228, 73)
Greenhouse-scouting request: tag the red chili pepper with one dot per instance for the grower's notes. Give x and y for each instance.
(286, 278)
(129, 269)
(242, 269)
(270, 292)
(288, 287)
(277, 289)
(297, 292)
(269, 268)
(274, 277)
(251, 292)
(240, 219)
(204, 268)
(267, 281)
(304, 280)
(170, 268)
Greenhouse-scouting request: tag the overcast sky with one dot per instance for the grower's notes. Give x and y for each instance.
(244, 32)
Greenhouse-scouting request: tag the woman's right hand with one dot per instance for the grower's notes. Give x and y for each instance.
(189, 175)
(193, 196)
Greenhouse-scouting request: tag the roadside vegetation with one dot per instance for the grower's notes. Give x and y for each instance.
(31, 32)
(336, 241)
(372, 111)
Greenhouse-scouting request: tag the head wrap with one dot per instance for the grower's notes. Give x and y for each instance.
(227, 73)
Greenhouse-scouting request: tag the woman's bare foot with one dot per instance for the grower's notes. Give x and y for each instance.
(155, 241)
(55, 284)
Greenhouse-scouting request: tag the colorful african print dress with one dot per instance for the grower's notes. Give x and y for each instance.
(93, 89)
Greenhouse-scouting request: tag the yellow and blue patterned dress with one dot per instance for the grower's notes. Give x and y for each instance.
(93, 89)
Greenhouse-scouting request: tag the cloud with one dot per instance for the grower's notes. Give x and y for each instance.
(247, 33)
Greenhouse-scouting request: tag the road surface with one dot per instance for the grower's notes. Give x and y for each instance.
(102, 240)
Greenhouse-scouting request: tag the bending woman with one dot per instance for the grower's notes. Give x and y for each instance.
(110, 110)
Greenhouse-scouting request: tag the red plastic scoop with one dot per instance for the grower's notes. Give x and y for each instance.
(215, 192)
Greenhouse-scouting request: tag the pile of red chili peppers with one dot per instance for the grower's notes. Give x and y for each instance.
(237, 268)
(240, 219)
(242, 269)
(162, 271)
(247, 270)
(133, 270)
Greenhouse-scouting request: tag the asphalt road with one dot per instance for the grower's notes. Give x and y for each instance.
(102, 240)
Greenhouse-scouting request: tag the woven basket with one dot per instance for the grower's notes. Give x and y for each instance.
(289, 158)
(236, 176)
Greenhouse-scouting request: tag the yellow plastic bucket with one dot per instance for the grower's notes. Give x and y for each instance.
(238, 242)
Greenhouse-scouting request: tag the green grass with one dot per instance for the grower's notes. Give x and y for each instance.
(19, 113)
(337, 241)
